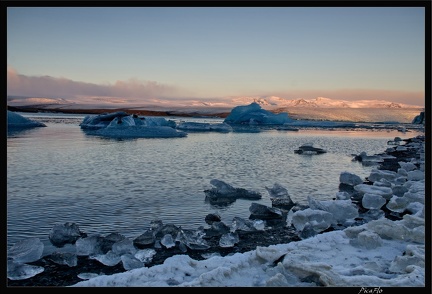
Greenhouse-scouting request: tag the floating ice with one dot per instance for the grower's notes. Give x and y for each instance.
(373, 201)
(145, 255)
(124, 246)
(378, 251)
(253, 114)
(223, 192)
(308, 149)
(192, 239)
(348, 178)
(108, 259)
(66, 233)
(341, 210)
(204, 127)
(17, 121)
(130, 262)
(19, 271)
(168, 241)
(280, 197)
(229, 240)
(66, 258)
(121, 125)
(319, 220)
(27, 250)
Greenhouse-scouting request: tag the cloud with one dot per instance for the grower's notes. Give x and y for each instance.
(50, 87)
(135, 93)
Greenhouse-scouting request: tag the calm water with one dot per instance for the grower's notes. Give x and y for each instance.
(59, 174)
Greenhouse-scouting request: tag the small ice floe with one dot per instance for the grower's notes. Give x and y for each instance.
(368, 160)
(309, 149)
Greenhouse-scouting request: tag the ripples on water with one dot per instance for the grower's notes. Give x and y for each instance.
(59, 174)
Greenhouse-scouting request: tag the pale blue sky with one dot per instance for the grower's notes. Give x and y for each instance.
(226, 51)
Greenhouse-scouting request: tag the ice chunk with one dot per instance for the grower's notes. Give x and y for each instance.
(15, 121)
(91, 245)
(217, 229)
(229, 239)
(308, 149)
(19, 271)
(204, 127)
(341, 210)
(372, 201)
(319, 220)
(225, 192)
(192, 239)
(121, 125)
(66, 233)
(87, 276)
(398, 204)
(376, 175)
(260, 211)
(123, 247)
(108, 259)
(413, 255)
(167, 241)
(145, 239)
(385, 192)
(408, 166)
(367, 239)
(100, 120)
(279, 196)
(349, 179)
(416, 175)
(66, 258)
(130, 262)
(241, 224)
(145, 255)
(27, 250)
(254, 114)
(388, 229)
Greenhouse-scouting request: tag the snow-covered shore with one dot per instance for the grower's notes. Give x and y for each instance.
(378, 253)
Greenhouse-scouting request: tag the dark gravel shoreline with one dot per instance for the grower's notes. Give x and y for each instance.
(56, 275)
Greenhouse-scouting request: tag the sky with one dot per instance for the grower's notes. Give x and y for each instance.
(169, 54)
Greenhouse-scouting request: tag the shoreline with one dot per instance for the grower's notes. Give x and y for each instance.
(143, 112)
(63, 275)
(354, 115)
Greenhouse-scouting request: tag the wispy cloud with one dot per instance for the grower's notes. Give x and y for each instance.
(135, 92)
(51, 87)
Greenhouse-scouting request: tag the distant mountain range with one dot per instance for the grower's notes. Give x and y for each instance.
(271, 102)
(321, 102)
(313, 109)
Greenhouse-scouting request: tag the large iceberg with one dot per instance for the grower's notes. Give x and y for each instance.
(253, 114)
(122, 125)
(17, 121)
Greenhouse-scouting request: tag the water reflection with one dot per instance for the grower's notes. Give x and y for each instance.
(16, 132)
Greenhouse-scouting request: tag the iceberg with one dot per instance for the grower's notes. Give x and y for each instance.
(253, 114)
(309, 149)
(17, 121)
(121, 125)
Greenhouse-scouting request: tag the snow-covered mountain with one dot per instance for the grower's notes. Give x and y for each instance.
(316, 109)
(320, 102)
(270, 102)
